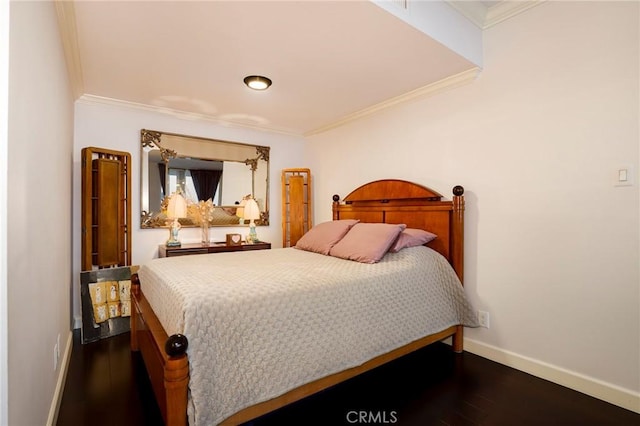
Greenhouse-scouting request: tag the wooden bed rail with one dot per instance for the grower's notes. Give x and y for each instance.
(171, 365)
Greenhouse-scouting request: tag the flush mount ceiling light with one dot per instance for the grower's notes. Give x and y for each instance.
(257, 82)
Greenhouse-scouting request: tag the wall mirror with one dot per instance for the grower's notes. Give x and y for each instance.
(202, 169)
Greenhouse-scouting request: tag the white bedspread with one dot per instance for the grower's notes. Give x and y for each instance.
(260, 323)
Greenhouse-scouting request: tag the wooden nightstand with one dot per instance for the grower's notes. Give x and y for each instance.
(197, 248)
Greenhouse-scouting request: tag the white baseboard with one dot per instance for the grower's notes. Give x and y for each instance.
(608, 392)
(62, 377)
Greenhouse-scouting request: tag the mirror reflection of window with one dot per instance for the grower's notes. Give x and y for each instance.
(206, 183)
(185, 181)
(237, 182)
(198, 179)
(180, 181)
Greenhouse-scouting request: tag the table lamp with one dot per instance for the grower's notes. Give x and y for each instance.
(252, 212)
(240, 210)
(176, 209)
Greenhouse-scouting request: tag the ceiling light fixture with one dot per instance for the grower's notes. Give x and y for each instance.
(257, 82)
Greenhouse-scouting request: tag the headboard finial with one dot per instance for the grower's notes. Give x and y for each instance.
(336, 198)
(458, 190)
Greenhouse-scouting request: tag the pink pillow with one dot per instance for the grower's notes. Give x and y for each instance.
(367, 242)
(412, 237)
(323, 236)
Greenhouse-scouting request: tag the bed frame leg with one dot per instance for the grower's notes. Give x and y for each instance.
(176, 378)
(458, 338)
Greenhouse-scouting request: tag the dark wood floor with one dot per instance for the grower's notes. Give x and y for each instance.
(107, 385)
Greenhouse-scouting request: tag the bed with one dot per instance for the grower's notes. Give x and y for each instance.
(265, 337)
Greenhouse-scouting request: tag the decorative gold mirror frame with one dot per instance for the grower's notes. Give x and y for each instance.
(233, 157)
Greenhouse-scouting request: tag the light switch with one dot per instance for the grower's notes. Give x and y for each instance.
(622, 175)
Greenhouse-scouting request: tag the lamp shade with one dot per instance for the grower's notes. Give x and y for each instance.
(177, 206)
(240, 209)
(251, 210)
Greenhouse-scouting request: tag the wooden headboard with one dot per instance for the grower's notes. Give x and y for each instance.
(399, 201)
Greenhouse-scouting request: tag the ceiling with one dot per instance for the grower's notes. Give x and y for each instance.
(329, 61)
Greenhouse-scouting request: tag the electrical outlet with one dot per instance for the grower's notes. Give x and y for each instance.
(483, 319)
(55, 357)
(56, 353)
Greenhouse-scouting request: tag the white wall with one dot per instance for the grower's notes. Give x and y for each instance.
(40, 146)
(4, 150)
(551, 245)
(117, 127)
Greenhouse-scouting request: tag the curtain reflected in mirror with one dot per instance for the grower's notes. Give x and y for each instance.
(201, 169)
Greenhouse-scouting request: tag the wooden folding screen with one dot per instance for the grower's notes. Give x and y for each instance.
(106, 208)
(296, 205)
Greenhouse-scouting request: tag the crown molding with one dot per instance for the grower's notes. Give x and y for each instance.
(65, 11)
(426, 91)
(508, 9)
(184, 115)
(475, 11)
(486, 17)
(432, 89)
